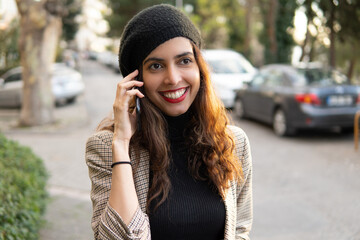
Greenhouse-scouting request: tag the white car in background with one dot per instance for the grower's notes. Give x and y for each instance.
(229, 70)
(67, 85)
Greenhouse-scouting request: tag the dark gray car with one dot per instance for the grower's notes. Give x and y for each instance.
(292, 98)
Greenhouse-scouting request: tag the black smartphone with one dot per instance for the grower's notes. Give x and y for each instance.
(138, 108)
(138, 111)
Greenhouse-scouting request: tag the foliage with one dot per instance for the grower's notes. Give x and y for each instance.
(284, 22)
(340, 22)
(218, 21)
(278, 18)
(9, 55)
(70, 25)
(22, 191)
(209, 17)
(223, 25)
(235, 14)
(123, 11)
(349, 20)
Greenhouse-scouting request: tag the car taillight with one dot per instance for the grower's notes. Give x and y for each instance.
(308, 98)
(358, 99)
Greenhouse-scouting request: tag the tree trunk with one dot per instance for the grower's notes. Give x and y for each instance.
(272, 28)
(306, 40)
(269, 10)
(248, 30)
(39, 34)
(332, 36)
(312, 51)
(351, 68)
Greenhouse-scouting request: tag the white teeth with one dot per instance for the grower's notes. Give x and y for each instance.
(175, 95)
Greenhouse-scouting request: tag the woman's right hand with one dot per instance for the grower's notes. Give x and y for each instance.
(125, 122)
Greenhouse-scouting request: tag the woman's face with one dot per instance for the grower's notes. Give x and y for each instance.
(171, 76)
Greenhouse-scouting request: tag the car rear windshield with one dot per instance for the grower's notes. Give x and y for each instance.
(321, 77)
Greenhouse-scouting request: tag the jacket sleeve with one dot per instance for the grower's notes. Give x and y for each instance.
(244, 188)
(106, 222)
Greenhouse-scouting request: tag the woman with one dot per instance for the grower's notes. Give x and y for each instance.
(172, 169)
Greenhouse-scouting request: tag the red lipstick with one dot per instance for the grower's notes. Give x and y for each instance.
(177, 100)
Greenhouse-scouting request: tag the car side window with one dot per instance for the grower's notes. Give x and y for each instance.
(274, 78)
(287, 81)
(13, 78)
(258, 80)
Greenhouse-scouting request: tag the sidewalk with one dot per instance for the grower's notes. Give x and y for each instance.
(65, 119)
(61, 145)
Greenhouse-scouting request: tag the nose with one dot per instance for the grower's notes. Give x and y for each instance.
(173, 76)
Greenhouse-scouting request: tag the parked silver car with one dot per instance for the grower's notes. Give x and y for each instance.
(229, 70)
(67, 85)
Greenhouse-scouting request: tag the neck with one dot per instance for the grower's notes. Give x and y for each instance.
(177, 125)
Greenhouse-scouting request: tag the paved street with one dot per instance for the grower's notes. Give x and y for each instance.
(305, 187)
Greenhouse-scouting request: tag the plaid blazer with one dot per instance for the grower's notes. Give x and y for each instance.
(107, 223)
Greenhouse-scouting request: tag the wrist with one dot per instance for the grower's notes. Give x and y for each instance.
(120, 150)
(120, 144)
(120, 162)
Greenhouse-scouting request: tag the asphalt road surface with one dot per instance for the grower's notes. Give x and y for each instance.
(305, 187)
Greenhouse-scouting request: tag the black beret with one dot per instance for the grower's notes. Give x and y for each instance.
(150, 28)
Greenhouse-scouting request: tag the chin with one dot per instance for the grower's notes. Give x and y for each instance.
(175, 113)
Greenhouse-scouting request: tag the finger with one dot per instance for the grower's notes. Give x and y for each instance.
(131, 75)
(131, 84)
(122, 88)
(134, 92)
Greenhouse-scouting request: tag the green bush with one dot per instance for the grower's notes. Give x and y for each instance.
(23, 196)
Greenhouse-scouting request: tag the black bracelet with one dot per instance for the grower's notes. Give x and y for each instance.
(116, 163)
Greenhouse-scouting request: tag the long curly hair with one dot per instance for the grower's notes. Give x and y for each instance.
(211, 145)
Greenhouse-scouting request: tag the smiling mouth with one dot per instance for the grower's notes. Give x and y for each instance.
(175, 96)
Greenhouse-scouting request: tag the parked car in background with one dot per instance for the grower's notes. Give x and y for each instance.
(115, 64)
(67, 85)
(109, 59)
(106, 58)
(292, 98)
(229, 70)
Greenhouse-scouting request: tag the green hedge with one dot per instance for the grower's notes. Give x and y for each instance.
(23, 196)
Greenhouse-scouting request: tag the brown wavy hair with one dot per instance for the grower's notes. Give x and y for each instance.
(211, 145)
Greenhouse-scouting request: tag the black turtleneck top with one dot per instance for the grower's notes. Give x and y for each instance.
(193, 209)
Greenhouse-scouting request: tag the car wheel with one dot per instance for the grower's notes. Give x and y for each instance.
(280, 124)
(71, 100)
(60, 102)
(239, 108)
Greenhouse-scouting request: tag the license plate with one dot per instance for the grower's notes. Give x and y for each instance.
(341, 100)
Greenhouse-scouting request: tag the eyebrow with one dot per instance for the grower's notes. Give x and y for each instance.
(162, 60)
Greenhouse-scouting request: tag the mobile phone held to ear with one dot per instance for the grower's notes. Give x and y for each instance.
(138, 109)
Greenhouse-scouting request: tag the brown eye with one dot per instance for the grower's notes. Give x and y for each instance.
(155, 66)
(186, 61)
